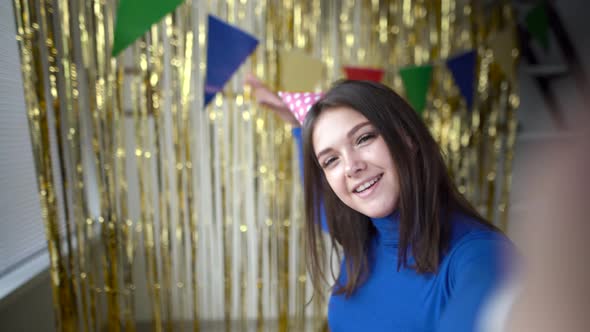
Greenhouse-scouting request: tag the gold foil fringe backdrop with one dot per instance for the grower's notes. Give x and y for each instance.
(181, 216)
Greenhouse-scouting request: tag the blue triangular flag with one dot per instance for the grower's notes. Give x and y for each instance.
(463, 69)
(227, 48)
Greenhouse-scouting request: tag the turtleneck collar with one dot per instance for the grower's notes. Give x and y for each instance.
(387, 229)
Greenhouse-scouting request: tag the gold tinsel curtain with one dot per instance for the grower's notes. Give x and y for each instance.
(160, 211)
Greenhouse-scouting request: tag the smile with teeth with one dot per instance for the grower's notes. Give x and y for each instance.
(367, 184)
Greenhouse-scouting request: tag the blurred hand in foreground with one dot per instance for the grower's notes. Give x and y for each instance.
(554, 237)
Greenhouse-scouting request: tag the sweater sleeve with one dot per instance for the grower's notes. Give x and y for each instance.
(478, 266)
(299, 141)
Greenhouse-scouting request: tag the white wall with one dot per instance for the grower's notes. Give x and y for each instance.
(25, 292)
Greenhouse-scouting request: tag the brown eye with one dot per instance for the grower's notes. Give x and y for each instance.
(365, 138)
(328, 161)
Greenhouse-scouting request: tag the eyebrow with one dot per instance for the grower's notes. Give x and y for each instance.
(350, 133)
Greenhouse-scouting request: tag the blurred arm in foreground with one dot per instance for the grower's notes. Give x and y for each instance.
(553, 291)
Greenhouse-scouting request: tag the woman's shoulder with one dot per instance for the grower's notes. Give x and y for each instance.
(466, 229)
(478, 249)
(471, 238)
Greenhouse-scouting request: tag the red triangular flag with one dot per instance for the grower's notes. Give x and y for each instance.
(363, 73)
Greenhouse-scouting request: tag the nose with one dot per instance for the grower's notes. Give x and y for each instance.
(354, 165)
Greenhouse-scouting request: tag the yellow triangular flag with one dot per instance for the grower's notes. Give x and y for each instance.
(502, 43)
(299, 71)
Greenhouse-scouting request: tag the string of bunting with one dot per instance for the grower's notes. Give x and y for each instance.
(416, 79)
(228, 47)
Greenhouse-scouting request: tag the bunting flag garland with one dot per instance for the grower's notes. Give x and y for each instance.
(299, 71)
(416, 79)
(363, 73)
(135, 17)
(537, 24)
(416, 82)
(463, 69)
(300, 103)
(227, 48)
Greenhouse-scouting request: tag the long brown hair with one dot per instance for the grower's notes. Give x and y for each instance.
(427, 194)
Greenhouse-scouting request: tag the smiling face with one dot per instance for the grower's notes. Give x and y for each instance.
(356, 161)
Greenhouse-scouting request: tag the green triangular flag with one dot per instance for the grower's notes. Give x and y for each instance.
(135, 17)
(416, 82)
(538, 24)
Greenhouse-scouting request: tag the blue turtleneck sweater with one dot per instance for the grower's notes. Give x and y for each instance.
(447, 301)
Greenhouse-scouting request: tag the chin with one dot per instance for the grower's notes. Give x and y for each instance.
(378, 211)
(380, 214)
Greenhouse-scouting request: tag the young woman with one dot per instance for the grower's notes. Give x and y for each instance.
(416, 256)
